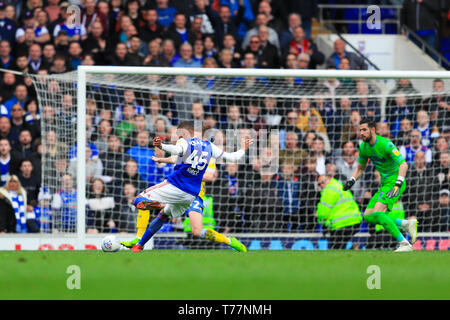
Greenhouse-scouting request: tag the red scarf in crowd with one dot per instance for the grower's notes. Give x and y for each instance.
(296, 48)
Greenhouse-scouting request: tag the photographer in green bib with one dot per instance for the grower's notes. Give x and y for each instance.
(208, 216)
(337, 212)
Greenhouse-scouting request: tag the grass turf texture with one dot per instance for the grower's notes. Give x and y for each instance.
(224, 274)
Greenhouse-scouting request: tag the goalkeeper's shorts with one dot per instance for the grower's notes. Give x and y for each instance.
(380, 196)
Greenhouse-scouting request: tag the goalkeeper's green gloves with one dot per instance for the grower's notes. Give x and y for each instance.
(395, 189)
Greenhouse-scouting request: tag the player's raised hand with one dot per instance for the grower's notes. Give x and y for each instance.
(157, 142)
(395, 190)
(349, 184)
(157, 159)
(247, 143)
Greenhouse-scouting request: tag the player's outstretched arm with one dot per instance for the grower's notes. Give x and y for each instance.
(170, 160)
(179, 149)
(246, 143)
(232, 156)
(355, 176)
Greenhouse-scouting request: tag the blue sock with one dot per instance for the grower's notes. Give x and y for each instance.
(400, 238)
(153, 228)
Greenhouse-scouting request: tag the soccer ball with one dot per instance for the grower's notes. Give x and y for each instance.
(110, 244)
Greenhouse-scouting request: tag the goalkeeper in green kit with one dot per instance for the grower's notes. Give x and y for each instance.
(392, 168)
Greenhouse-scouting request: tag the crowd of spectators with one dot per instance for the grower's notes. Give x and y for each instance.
(317, 135)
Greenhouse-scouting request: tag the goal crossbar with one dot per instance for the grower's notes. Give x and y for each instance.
(270, 73)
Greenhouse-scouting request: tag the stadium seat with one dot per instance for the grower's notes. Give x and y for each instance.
(386, 14)
(445, 48)
(322, 244)
(255, 245)
(445, 44)
(276, 245)
(352, 14)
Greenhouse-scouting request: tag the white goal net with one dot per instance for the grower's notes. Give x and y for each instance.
(305, 124)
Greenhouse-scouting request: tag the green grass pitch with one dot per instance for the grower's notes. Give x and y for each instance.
(224, 275)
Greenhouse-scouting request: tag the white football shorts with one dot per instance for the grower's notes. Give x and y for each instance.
(177, 201)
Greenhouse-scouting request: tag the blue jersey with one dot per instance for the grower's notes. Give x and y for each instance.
(43, 218)
(188, 173)
(410, 153)
(4, 171)
(166, 16)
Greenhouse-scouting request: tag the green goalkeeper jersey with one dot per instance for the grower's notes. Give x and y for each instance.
(384, 155)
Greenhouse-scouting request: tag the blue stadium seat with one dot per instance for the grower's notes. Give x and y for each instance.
(447, 55)
(445, 48)
(445, 44)
(276, 245)
(389, 14)
(352, 14)
(255, 245)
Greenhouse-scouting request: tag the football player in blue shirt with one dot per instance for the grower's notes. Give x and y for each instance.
(175, 195)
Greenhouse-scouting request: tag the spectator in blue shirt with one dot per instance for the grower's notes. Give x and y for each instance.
(186, 60)
(166, 13)
(20, 97)
(7, 87)
(75, 52)
(356, 62)
(399, 111)
(43, 211)
(367, 107)
(92, 147)
(428, 131)
(143, 155)
(225, 23)
(248, 15)
(7, 161)
(64, 206)
(178, 32)
(7, 26)
(35, 60)
(288, 186)
(129, 98)
(6, 58)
